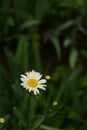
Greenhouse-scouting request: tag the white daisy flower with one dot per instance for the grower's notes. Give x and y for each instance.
(32, 81)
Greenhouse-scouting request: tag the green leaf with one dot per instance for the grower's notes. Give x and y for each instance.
(57, 31)
(81, 28)
(56, 45)
(36, 52)
(29, 23)
(40, 8)
(59, 73)
(83, 81)
(20, 117)
(12, 63)
(18, 114)
(69, 79)
(37, 122)
(22, 53)
(74, 115)
(10, 22)
(67, 42)
(73, 75)
(84, 53)
(70, 127)
(76, 99)
(66, 25)
(44, 127)
(73, 58)
(4, 77)
(32, 110)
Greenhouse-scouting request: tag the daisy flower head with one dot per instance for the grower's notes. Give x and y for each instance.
(32, 81)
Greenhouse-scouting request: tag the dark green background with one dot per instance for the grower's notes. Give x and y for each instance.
(49, 36)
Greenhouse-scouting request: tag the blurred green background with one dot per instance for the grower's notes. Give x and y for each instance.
(49, 36)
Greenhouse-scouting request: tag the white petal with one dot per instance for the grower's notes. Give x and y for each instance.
(37, 91)
(23, 79)
(26, 87)
(42, 81)
(41, 87)
(29, 90)
(38, 76)
(27, 74)
(32, 73)
(23, 76)
(22, 84)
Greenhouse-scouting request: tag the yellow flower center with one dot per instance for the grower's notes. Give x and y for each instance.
(32, 82)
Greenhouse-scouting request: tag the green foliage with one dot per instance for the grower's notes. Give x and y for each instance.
(49, 37)
(22, 53)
